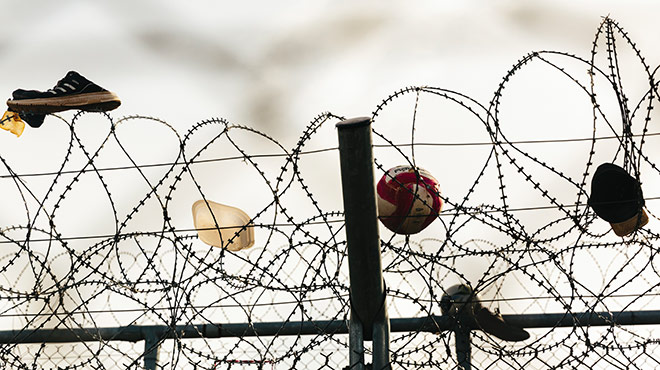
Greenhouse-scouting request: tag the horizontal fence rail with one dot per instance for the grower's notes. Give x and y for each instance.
(432, 324)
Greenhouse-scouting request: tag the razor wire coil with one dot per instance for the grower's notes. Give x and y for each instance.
(142, 264)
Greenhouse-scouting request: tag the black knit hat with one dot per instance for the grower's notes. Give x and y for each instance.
(617, 198)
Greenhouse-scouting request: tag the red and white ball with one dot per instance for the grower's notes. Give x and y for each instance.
(407, 201)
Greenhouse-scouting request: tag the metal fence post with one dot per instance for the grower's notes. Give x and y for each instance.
(463, 350)
(151, 347)
(367, 288)
(355, 344)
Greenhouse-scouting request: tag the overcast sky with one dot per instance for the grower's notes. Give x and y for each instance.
(275, 65)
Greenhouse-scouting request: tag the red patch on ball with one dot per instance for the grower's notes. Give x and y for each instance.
(408, 201)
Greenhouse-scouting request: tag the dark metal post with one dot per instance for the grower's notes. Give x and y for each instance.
(463, 350)
(367, 289)
(151, 346)
(355, 344)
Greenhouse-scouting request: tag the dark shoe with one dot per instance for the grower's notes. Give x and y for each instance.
(72, 92)
(460, 302)
(33, 119)
(493, 323)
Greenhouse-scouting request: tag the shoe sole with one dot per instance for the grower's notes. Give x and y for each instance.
(495, 325)
(91, 102)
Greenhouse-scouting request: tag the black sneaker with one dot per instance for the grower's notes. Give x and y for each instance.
(33, 119)
(72, 92)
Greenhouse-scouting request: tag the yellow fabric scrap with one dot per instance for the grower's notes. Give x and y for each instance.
(12, 122)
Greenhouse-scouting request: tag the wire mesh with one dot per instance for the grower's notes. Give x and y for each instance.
(99, 232)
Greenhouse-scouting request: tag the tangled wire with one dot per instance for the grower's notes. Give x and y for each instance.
(99, 234)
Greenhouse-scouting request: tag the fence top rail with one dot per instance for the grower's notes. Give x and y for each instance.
(431, 324)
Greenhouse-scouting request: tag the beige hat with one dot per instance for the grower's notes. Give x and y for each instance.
(222, 226)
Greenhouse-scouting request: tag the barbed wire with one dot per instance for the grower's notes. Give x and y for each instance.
(102, 235)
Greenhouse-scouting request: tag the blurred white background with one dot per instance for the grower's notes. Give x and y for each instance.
(275, 65)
